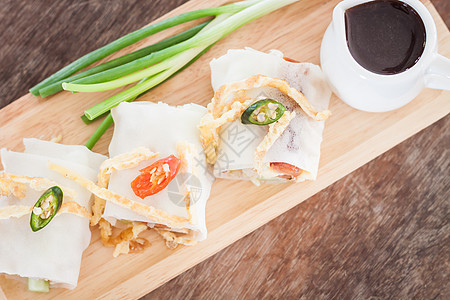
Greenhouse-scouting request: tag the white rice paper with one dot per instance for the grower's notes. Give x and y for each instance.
(299, 145)
(53, 253)
(159, 127)
(75, 153)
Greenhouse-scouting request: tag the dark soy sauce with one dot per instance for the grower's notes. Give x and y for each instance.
(385, 36)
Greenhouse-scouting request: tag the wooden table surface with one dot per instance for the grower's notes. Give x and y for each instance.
(381, 232)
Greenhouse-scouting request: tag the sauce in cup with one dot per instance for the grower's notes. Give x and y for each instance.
(379, 54)
(385, 37)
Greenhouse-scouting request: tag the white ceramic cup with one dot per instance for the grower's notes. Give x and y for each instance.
(368, 91)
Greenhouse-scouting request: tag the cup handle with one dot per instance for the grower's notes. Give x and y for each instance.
(437, 76)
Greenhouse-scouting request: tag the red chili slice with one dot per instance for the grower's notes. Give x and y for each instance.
(156, 177)
(286, 169)
(290, 60)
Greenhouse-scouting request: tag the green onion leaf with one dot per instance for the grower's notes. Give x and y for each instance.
(134, 37)
(57, 86)
(216, 30)
(108, 121)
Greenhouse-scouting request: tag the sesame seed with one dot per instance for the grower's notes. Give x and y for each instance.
(45, 205)
(261, 117)
(272, 106)
(37, 211)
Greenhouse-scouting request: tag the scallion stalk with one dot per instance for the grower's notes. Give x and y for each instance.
(203, 38)
(108, 121)
(136, 36)
(85, 120)
(57, 86)
(210, 34)
(128, 68)
(153, 64)
(38, 285)
(153, 70)
(105, 106)
(160, 74)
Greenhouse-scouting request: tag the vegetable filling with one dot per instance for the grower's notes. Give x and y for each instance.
(38, 285)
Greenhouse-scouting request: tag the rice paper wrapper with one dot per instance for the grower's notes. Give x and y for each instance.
(75, 153)
(160, 128)
(299, 145)
(53, 253)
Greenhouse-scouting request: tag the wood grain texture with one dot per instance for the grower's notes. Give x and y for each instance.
(38, 40)
(382, 231)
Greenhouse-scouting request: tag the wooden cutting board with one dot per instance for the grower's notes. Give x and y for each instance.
(351, 139)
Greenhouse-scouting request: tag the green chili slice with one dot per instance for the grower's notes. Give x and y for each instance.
(46, 208)
(263, 112)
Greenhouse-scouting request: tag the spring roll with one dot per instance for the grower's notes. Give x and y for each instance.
(54, 252)
(288, 149)
(166, 131)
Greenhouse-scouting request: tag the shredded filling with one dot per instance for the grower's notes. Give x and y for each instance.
(120, 162)
(174, 239)
(128, 240)
(17, 186)
(275, 131)
(17, 211)
(140, 208)
(221, 111)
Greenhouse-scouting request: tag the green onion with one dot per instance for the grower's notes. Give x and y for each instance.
(108, 121)
(105, 106)
(136, 36)
(57, 86)
(126, 69)
(85, 119)
(38, 285)
(210, 34)
(153, 64)
(203, 38)
(163, 71)
(153, 70)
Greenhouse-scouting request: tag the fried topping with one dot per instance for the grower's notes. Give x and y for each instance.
(221, 111)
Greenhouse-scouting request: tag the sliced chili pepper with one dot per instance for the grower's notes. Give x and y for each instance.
(290, 60)
(289, 171)
(156, 177)
(263, 112)
(46, 208)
